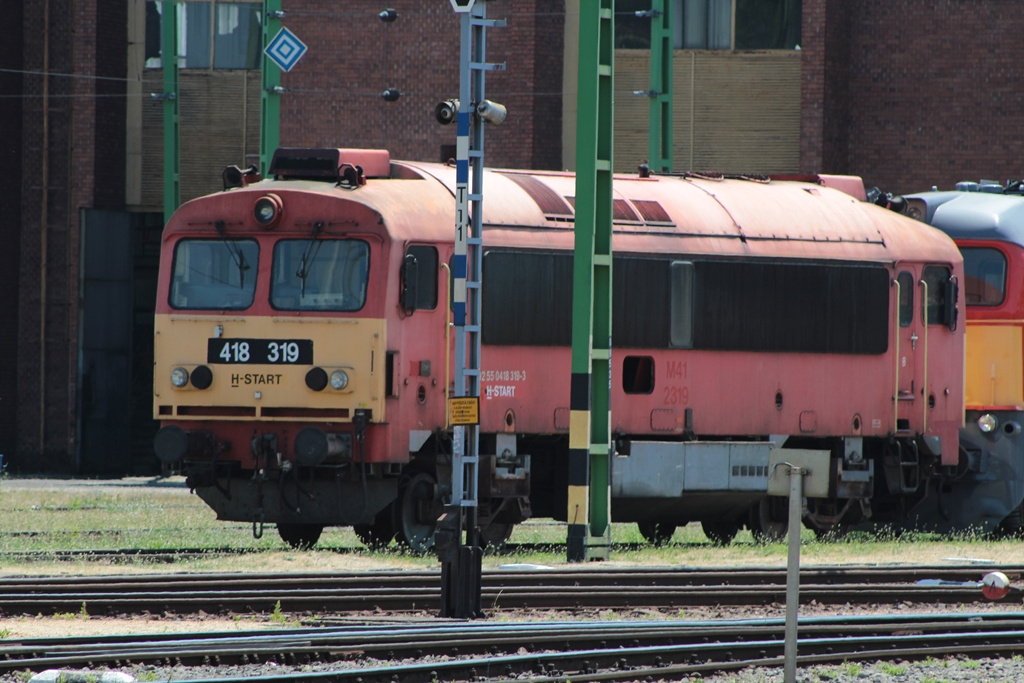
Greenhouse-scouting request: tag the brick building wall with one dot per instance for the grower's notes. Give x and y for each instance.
(10, 223)
(68, 110)
(824, 93)
(913, 93)
(43, 392)
(333, 97)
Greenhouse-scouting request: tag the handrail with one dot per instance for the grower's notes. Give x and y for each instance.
(896, 385)
(447, 338)
(924, 389)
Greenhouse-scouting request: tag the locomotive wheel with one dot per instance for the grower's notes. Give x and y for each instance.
(379, 534)
(418, 513)
(720, 533)
(655, 532)
(300, 536)
(769, 519)
(495, 534)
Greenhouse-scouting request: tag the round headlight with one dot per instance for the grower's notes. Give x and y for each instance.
(987, 423)
(339, 380)
(267, 210)
(179, 377)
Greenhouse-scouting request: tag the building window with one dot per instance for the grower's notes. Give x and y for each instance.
(714, 24)
(706, 25)
(767, 24)
(211, 35)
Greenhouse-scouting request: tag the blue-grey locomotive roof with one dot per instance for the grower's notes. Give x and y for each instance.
(975, 215)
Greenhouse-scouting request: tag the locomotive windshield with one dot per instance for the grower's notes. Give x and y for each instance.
(320, 275)
(214, 274)
(984, 276)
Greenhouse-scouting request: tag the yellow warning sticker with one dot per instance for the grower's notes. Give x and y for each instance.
(464, 410)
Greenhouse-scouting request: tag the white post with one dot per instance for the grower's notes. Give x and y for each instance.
(793, 571)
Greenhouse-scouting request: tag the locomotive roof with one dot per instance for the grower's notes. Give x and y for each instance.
(750, 217)
(657, 214)
(975, 215)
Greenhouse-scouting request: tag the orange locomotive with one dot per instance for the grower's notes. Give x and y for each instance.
(303, 354)
(986, 220)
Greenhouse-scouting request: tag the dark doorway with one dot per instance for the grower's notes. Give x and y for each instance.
(120, 258)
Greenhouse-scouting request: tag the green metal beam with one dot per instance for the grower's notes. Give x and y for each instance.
(270, 96)
(589, 510)
(659, 153)
(172, 151)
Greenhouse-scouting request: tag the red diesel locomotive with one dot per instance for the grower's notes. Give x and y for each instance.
(303, 357)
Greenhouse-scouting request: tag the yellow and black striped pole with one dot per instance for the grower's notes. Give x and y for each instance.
(589, 511)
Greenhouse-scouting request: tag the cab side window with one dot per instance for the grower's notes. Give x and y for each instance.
(419, 278)
(906, 281)
(942, 293)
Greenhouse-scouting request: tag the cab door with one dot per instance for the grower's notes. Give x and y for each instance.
(909, 346)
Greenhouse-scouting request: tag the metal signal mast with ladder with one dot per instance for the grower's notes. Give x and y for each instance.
(458, 538)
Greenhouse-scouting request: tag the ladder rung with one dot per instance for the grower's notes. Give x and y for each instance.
(487, 66)
(491, 23)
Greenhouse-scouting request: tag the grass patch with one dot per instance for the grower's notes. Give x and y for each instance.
(38, 524)
(891, 669)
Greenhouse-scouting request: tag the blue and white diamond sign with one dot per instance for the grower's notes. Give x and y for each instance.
(285, 49)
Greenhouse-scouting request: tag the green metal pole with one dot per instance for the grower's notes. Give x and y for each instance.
(270, 94)
(172, 151)
(660, 128)
(589, 509)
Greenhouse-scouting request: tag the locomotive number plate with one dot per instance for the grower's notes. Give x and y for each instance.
(260, 351)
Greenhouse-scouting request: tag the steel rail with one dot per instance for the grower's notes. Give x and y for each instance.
(663, 576)
(581, 650)
(418, 591)
(427, 598)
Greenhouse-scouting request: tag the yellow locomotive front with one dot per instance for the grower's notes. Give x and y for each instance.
(273, 378)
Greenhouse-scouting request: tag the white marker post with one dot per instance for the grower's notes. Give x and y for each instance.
(787, 469)
(796, 504)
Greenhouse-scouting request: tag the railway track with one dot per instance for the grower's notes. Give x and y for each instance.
(522, 588)
(549, 651)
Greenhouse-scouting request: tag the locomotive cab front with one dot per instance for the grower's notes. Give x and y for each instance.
(272, 350)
